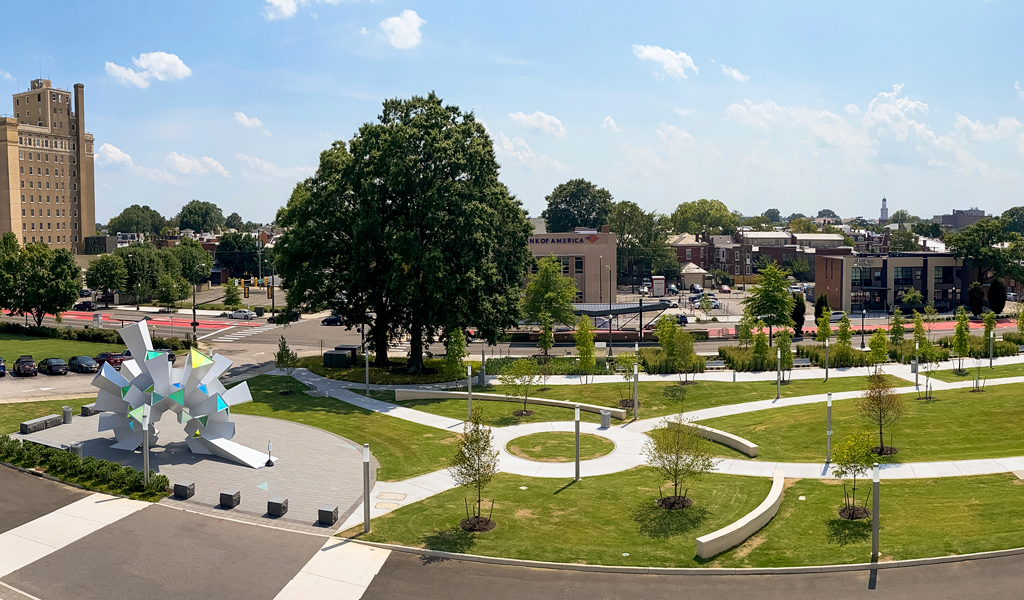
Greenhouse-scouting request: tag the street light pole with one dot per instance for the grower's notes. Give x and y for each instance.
(195, 284)
(863, 313)
(917, 365)
(600, 279)
(778, 373)
(826, 359)
(609, 310)
(636, 391)
(874, 514)
(828, 431)
(577, 442)
(991, 346)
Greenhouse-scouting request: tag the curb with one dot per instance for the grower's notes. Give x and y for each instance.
(712, 571)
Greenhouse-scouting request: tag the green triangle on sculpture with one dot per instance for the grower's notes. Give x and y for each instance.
(125, 390)
(203, 419)
(152, 354)
(221, 405)
(149, 390)
(185, 417)
(197, 434)
(137, 413)
(199, 359)
(178, 396)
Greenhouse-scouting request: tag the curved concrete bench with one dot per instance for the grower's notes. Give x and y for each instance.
(736, 533)
(401, 395)
(727, 439)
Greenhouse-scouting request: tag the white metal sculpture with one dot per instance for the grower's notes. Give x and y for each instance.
(194, 394)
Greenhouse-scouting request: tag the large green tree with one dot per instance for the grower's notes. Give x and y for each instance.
(241, 254)
(10, 250)
(990, 248)
(107, 273)
(577, 203)
(641, 239)
(549, 292)
(234, 221)
(704, 218)
(927, 229)
(1013, 219)
(903, 241)
(195, 260)
(46, 281)
(144, 266)
(137, 219)
(410, 223)
(770, 300)
(773, 215)
(200, 216)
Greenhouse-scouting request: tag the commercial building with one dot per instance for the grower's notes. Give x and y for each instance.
(588, 256)
(961, 218)
(878, 281)
(47, 190)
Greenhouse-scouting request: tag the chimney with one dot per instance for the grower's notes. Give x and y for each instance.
(606, 229)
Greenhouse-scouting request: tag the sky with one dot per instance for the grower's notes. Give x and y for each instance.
(793, 105)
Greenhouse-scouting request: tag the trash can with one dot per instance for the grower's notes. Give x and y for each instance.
(259, 311)
(76, 449)
(606, 419)
(67, 415)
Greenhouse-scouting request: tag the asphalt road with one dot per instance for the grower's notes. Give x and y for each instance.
(412, 576)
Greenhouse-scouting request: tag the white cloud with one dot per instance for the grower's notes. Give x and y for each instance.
(1003, 129)
(266, 170)
(404, 30)
(161, 66)
(735, 74)
(6, 76)
(541, 121)
(281, 9)
(685, 112)
(677, 139)
(852, 109)
(642, 160)
(517, 149)
(251, 122)
(674, 64)
(755, 115)
(190, 165)
(110, 155)
(1020, 90)
(364, 31)
(609, 123)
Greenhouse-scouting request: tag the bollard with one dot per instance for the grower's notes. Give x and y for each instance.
(76, 449)
(67, 415)
(366, 488)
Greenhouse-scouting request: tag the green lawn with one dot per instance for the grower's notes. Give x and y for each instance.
(393, 375)
(956, 424)
(918, 518)
(559, 446)
(12, 346)
(12, 415)
(970, 371)
(404, 449)
(703, 394)
(595, 521)
(496, 413)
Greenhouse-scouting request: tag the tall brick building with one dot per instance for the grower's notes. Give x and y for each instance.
(47, 189)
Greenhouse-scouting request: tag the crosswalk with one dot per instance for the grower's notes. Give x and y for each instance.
(241, 334)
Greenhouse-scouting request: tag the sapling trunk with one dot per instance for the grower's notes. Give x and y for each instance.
(492, 510)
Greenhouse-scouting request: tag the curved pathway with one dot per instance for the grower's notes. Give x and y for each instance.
(626, 455)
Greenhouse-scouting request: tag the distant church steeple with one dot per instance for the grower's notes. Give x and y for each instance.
(884, 216)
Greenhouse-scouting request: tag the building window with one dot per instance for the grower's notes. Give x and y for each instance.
(737, 269)
(903, 276)
(579, 265)
(24, 226)
(688, 254)
(748, 269)
(737, 256)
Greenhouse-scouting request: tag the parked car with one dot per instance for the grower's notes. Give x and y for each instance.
(646, 281)
(696, 298)
(725, 289)
(25, 366)
(85, 294)
(673, 304)
(114, 359)
(836, 316)
(671, 289)
(83, 364)
(695, 289)
(87, 305)
(285, 317)
(332, 320)
(53, 366)
(3, 368)
(682, 320)
(246, 315)
(644, 290)
(1011, 296)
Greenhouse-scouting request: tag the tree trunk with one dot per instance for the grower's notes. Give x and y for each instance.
(415, 366)
(37, 316)
(881, 439)
(479, 492)
(770, 336)
(380, 346)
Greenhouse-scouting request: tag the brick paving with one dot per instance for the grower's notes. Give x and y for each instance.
(8, 593)
(312, 468)
(159, 554)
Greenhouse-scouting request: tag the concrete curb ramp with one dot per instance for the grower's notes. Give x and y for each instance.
(736, 533)
(401, 395)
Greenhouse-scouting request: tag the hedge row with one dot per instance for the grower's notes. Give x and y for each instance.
(88, 472)
(837, 357)
(1014, 338)
(744, 359)
(555, 365)
(99, 336)
(654, 360)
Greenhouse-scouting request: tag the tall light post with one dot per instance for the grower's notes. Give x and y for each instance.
(826, 359)
(917, 365)
(778, 373)
(609, 310)
(469, 383)
(863, 314)
(577, 442)
(828, 430)
(991, 346)
(366, 488)
(600, 279)
(195, 284)
(636, 391)
(874, 513)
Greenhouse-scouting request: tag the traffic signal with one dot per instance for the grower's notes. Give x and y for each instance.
(245, 292)
(270, 292)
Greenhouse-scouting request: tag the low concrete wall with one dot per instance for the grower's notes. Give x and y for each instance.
(401, 395)
(727, 439)
(736, 533)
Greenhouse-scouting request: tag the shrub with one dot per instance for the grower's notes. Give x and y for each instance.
(1014, 338)
(744, 359)
(557, 365)
(903, 352)
(979, 346)
(654, 360)
(837, 356)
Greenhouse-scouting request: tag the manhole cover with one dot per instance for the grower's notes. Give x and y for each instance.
(386, 505)
(390, 496)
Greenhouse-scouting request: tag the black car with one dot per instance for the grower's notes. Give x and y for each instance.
(332, 320)
(682, 320)
(83, 364)
(25, 366)
(53, 366)
(3, 368)
(87, 305)
(85, 294)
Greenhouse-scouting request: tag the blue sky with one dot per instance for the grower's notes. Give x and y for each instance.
(798, 106)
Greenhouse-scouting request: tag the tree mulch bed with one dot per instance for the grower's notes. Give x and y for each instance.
(625, 404)
(852, 513)
(674, 502)
(885, 450)
(478, 524)
(522, 413)
(286, 392)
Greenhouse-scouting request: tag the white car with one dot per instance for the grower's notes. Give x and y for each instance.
(242, 314)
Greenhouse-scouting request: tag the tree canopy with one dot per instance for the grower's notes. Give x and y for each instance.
(549, 292)
(107, 273)
(827, 213)
(200, 216)
(577, 203)
(641, 238)
(234, 221)
(773, 215)
(408, 222)
(704, 218)
(137, 219)
(770, 300)
(991, 248)
(44, 281)
(239, 252)
(903, 241)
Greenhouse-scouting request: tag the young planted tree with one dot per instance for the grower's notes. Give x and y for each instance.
(799, 310)
(455, 354)
(745, 329)
(626, 361)
(896, 326)
(286, 360)
(474, 465)
(167, 290)
(667, 330)
(584, 336)
(546, 340)
(685, 356)
(990, 325)
(844, 336)
(519, 376)
(824, 322)
(232, 295)
(704, 306)
(107, 273)
(912, 297)
(761, 348)
(852, 458)
(784, 344)
(931, 315)
(548, 291)
(961, 338)
(882, 406)
(879, 348)
(770, 301)
(680, 452)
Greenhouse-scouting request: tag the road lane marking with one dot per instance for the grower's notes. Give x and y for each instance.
(216, 332)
